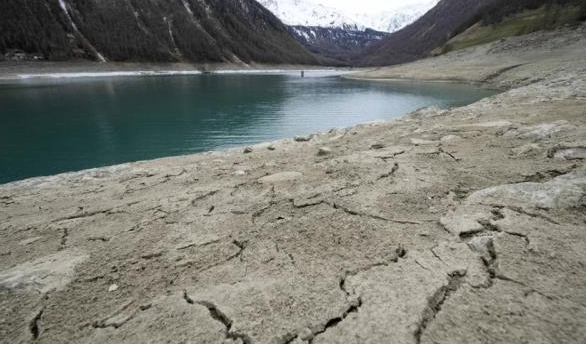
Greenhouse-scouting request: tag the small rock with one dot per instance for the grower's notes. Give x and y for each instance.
(302, 138)
(463, 222)
(112, 288)
(248, 150)
(323, 151)
(527, 149)
(568, 151)
(271, 147)
(571, 154)
(239, 173)
(377, 146)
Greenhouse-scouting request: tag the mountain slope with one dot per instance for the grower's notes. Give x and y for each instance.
(337, 38)
(336, 46)
(504, 20)
(148, 31)
(308, 13)
(429, 32)
(314, 14)
(391, 21)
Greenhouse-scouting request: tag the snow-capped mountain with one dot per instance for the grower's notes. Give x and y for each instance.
(312, 13)
(309, 13)
(336, 45)
(395, 20)
(337, 37)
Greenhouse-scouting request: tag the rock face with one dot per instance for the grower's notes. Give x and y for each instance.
(203, 31)
(455, 242)
(336, 45)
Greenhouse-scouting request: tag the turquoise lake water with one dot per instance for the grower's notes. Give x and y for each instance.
(60, 125)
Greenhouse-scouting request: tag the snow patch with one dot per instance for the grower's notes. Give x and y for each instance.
(187, 6)
(103, 74)
(64, 6)
(312, 13)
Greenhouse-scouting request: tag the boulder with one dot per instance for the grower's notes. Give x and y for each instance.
(568, 151)
(323, 151)
(302, 138)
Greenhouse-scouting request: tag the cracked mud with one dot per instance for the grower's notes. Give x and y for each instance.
(446, 226)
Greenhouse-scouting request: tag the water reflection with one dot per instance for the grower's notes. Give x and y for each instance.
(55, 126)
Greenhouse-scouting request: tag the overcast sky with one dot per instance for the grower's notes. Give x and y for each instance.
(353, 6)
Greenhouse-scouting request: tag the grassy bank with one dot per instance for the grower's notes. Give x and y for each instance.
(546, 17)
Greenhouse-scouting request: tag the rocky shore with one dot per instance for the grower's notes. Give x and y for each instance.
(465, 225)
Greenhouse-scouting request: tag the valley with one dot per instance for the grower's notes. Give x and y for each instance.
(305, 182)
(397, 229)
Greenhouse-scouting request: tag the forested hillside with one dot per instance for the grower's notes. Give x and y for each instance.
(148, 31)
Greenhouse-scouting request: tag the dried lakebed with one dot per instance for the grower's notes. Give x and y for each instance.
(446, 226)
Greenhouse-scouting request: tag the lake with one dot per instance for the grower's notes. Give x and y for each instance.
(49, 126)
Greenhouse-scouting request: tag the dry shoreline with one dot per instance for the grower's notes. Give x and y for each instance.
(445, 226)
(12, 71)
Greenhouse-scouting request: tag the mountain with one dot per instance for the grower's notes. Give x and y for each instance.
(312, 13)
(236, 31)
(458, 24)
(391, 21)
(309, 13)
(504, 19)
(338, 38)
(336, 46)
(432, 30)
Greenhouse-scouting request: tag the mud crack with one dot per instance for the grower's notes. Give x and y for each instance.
(82, 214)
(241, 245)
(261, 211)
(35, 325)
(220, 317)
(353, 308)
(64, 237)
(372, 216)
(203, 197)
(436, 302)
(390, 173)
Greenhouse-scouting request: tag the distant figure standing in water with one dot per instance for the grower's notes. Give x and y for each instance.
(303, 74)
